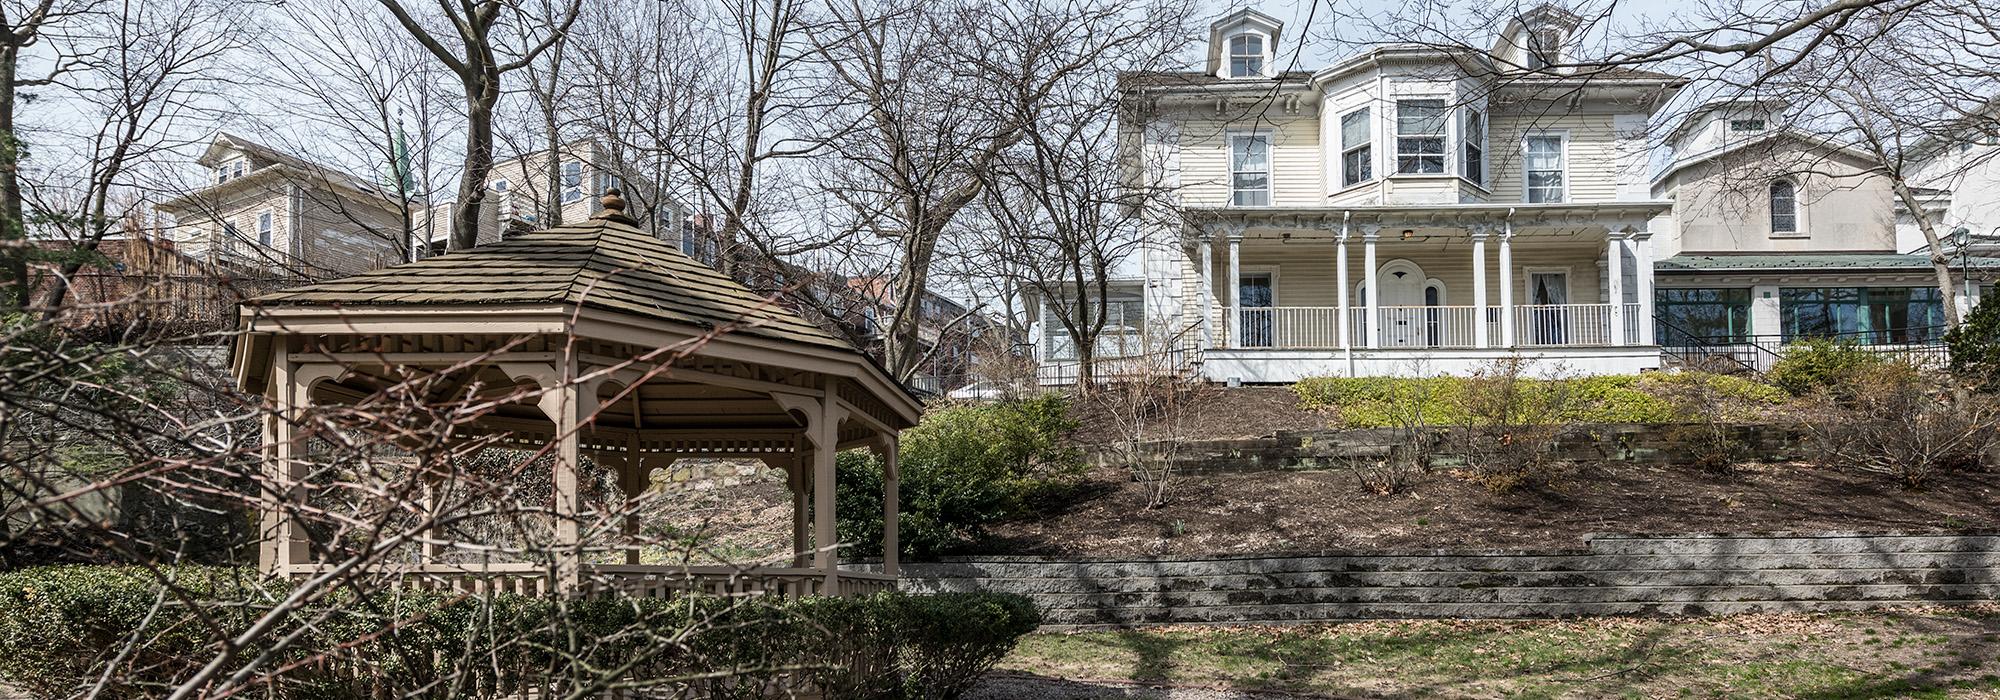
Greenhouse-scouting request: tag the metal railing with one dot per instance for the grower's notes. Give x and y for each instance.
(1918, 344)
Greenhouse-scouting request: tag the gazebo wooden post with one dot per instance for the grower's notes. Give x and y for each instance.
(795, 478)
(891, 504)
(825, 429)
(559, 402)
(274, 550)
(632, 481)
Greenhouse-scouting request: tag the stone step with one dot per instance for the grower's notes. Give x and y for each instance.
(1856, 543)
(1307, 613)
(1024, 568)
(1458, 579)
(1553, 598)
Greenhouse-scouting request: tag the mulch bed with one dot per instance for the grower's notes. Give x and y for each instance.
(1305, 512)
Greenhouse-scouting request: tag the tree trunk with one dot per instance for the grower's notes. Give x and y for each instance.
(1939, 262)
(482, 92)
(13, 229)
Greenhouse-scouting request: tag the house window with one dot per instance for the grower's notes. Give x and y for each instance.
(1357, 158)
(1702, 316)
(605, 182)
(1866, 315)
(1475, 146)
(1784, 207)
(1250, 170)
(230, 235)
(1123, 334)
(1545, 166)
(572, 181)
(1746, 125)
(1420, 136)
(1246, 56)
(229, 170)
(264, 229)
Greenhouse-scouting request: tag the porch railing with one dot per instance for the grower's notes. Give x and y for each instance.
(1318, 327)
(630, 580)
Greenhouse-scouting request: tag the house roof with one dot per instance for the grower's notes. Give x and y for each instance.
(1804, 261)
(1810, 140)
(606, 263)
(1190, 79)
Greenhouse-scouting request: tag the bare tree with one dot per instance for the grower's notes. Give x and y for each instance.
(932, 112)
(22, 25)
(480, 65)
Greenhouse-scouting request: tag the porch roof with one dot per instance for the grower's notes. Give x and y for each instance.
(1627, 214)
(1695, 264)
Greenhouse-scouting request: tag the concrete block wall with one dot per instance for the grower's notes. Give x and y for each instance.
(1613, 575)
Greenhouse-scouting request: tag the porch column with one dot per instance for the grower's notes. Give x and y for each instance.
(568, 553)
(1235, 326)
(1614, 281)
(1642, 262)
(1342, 318)
(891, 507)
(1369, 233)
(1207, 255)
(826, 536)
(1507, 285)
(795, 478)
(1480, 332)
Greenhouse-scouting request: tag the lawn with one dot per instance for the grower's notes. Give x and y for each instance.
(1898, 654)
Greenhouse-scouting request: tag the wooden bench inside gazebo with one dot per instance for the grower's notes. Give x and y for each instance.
(621, 350)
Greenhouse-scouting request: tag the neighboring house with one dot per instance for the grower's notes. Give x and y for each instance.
(1407, 209)
(948, 331)
(1779, 234)
(519, 197)
(264, 212)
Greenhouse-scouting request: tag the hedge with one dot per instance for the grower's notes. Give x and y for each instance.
(62, 627)
(1376, 402)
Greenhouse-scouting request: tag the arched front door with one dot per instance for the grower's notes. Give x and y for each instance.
(1406, 290)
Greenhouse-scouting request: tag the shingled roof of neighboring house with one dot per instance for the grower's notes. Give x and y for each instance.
(605, 263)
(1808, 261)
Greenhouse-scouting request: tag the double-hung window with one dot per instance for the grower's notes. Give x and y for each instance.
(264, 229)
(1246, 56)
(1250, 169)
(1357, 156)
(1784, 207)
(229, 170)
(1545, 167)
(1420, 136)
(1474, 136)
(572, 181)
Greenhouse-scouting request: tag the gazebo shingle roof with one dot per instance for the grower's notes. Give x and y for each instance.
(602, 263)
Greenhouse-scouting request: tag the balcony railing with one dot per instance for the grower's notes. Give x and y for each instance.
(1318, 327)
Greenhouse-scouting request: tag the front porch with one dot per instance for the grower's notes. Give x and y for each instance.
(1385, 295)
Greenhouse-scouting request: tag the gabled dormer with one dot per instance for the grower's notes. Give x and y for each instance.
(1243, 45)
(1539, 39)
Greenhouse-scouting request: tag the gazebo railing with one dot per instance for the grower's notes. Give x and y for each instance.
(632, 580)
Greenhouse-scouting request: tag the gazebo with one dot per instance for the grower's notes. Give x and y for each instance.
(625, 351)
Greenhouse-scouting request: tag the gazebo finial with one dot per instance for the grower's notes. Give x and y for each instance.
(614, 207)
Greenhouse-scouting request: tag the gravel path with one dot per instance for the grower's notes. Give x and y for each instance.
(1001, 686)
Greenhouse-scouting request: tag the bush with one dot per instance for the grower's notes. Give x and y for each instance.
(1975, 348)
(1382, 402)
(1895, 419)
(61, 628)
(1819, 363)
(962, 468)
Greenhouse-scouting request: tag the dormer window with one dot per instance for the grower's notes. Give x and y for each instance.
(229, 170)
(1246, 56)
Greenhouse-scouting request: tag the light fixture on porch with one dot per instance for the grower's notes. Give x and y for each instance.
(1408, 232)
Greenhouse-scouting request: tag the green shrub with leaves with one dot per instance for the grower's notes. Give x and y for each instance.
(1381, 402)
(961, 469)
(62, 629)
(1975, 348)
(1811, 365)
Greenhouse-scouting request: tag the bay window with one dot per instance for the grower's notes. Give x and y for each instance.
(1545, 166)
(1420, 137)
(1356, 153)
(1250, 169)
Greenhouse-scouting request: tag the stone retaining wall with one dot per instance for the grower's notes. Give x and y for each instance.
(1613, 575)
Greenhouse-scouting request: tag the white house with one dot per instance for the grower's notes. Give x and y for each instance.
(1405, 204)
